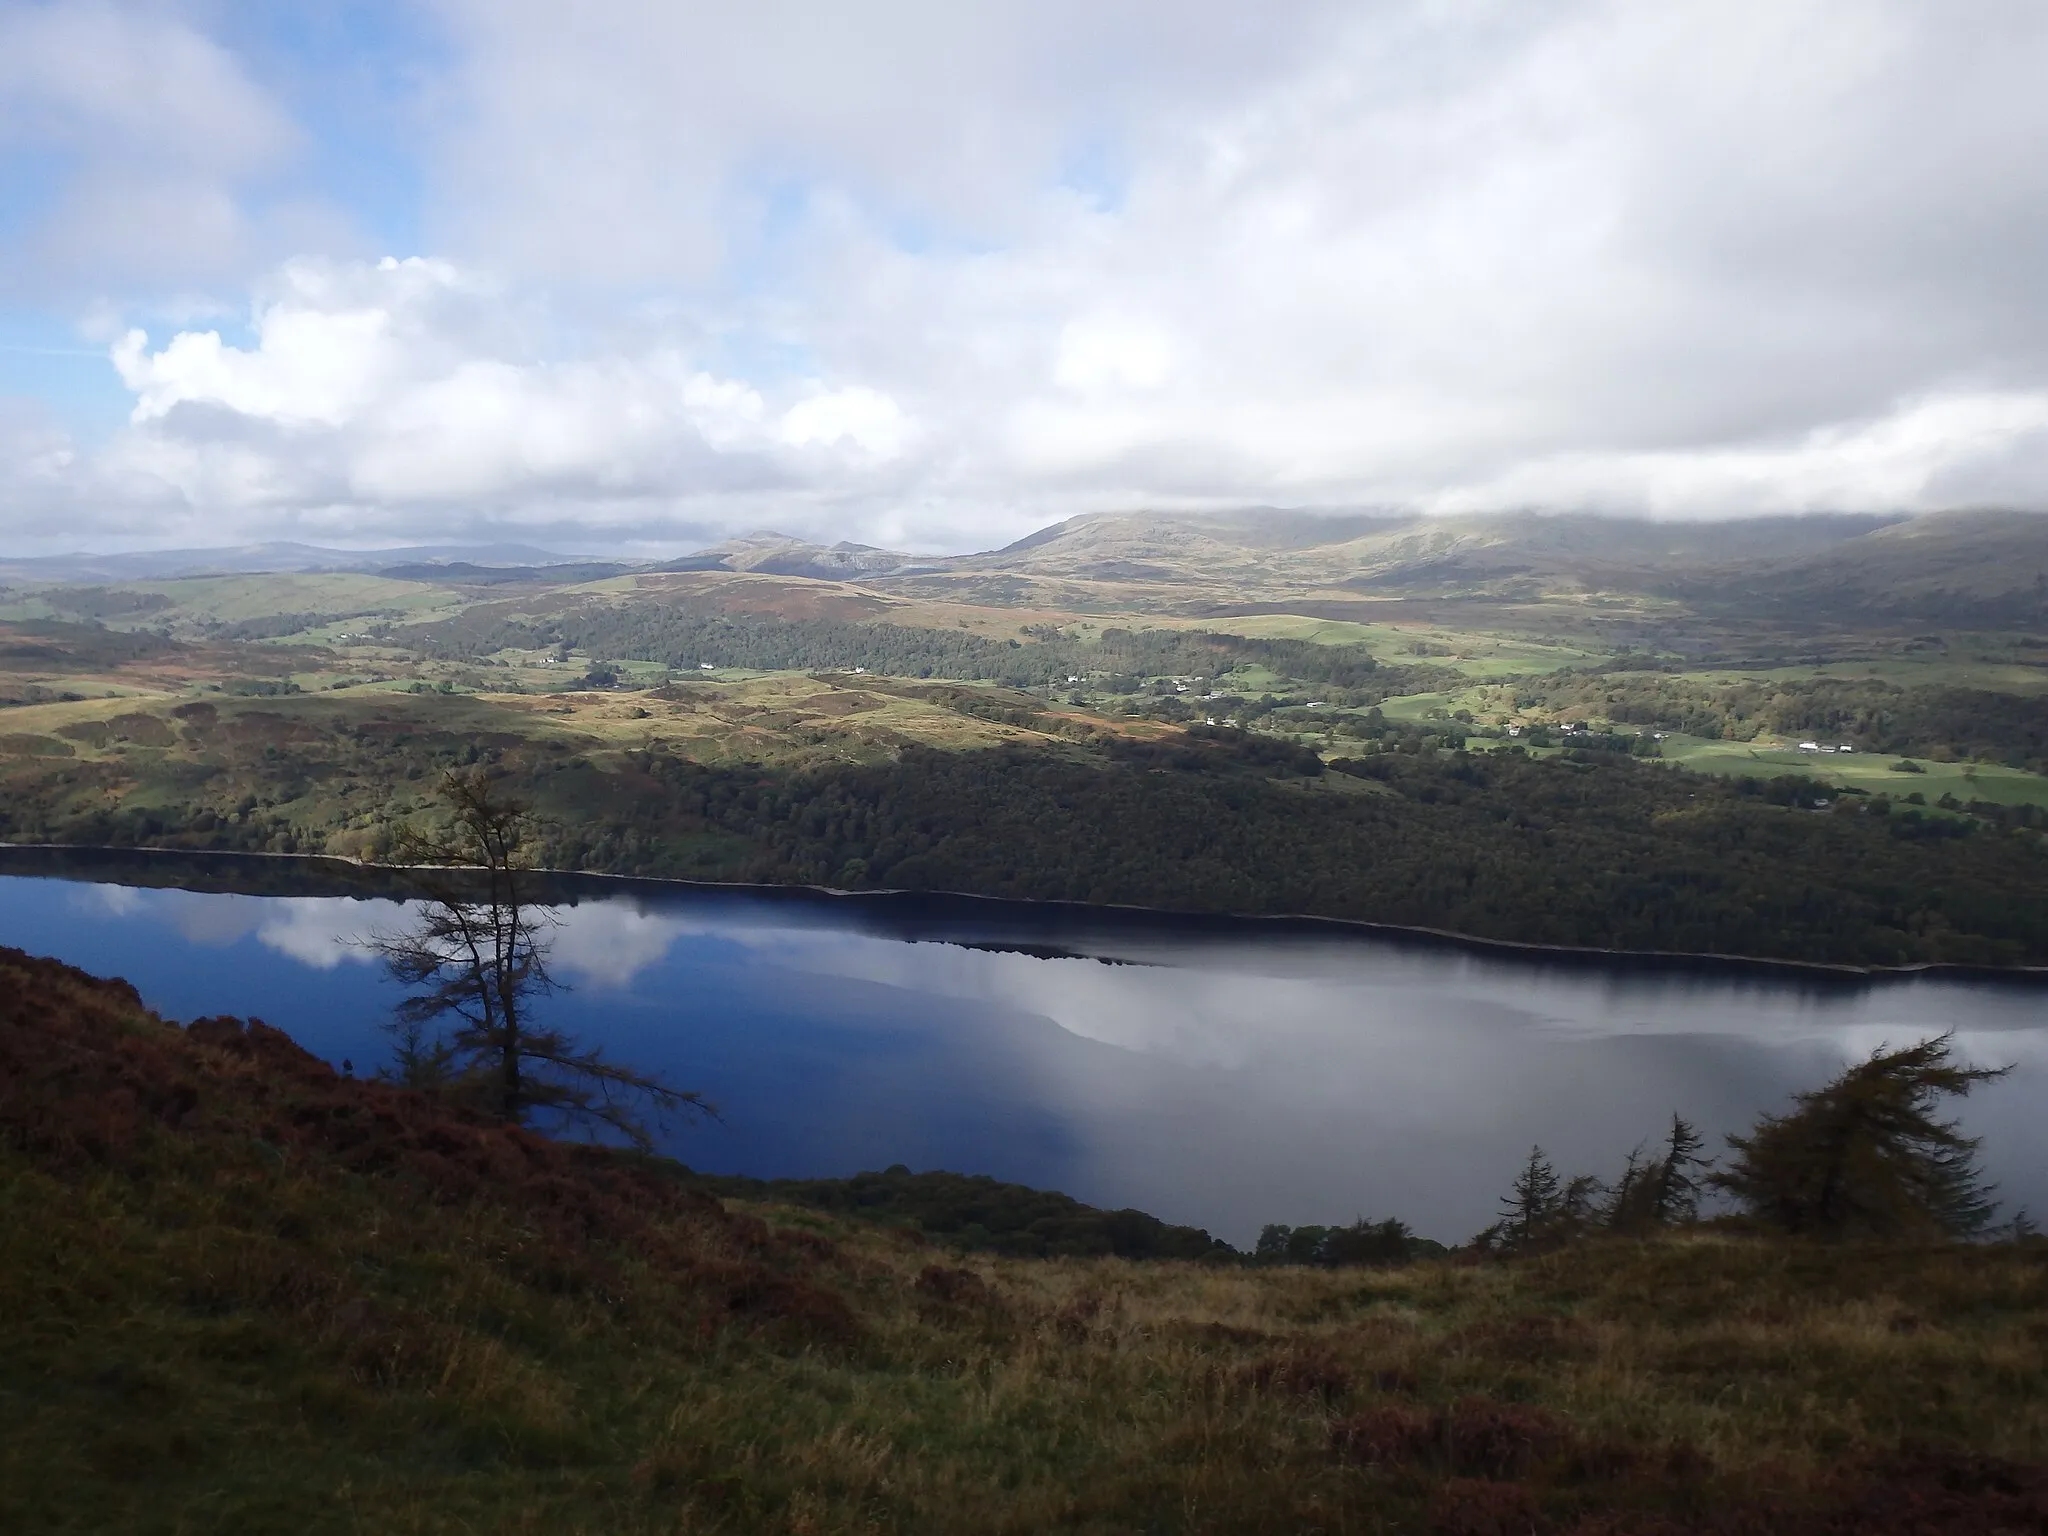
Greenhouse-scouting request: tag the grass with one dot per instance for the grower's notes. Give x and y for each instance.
(195, 601)
(1870, 771)
(241, 1293)
(1482, 655)
(1418, 706)
(1985, 670)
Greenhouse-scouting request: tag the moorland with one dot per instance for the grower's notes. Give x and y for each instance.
(1818, 739)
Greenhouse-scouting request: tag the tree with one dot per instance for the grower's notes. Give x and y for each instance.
(1367, 1242)
(1533, 1205)
(1627, 1207)
(1363, 1242)
(1865, 1155)
(476, 957)
(1674, 1185)
(1662, 1191)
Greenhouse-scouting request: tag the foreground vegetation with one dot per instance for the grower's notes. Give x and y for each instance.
(241, 1292)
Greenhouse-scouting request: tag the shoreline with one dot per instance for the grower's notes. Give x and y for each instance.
(901, 900)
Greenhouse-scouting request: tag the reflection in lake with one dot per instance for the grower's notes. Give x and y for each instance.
(1224, 1075)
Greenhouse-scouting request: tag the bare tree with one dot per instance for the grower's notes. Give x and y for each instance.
(475, 959)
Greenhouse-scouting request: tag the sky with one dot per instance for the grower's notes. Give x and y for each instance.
(628, 278)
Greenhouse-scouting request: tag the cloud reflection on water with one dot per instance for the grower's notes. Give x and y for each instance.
(1226, 1082)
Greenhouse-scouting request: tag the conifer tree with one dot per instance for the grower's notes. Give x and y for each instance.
(1579, 1207)
(1674, 1194)
(1865, 1155)
(1533, 1204)
(476, 957)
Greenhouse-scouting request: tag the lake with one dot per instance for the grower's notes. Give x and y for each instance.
(1219, 1073)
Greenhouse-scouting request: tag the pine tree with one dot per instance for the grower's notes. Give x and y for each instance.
(1625, 1210)
(1865, 1155)
(1674, 1186)
(1533, 1203)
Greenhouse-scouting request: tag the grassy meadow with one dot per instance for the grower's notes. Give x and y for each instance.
(1869, 771)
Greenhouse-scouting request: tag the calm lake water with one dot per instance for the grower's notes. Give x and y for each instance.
(1216, 1073)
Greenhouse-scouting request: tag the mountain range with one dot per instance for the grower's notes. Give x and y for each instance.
(1957, 568)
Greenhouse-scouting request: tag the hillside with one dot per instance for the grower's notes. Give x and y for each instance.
(240, 1292)
(1964, 568)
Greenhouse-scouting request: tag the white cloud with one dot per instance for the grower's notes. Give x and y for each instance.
(910, 272)
(1972, 448)
(606, 944)
(413, 384)
(862, 417)
(160, 152)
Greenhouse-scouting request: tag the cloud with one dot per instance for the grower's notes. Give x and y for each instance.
(380, 393)
(932, 275)
(143, 155)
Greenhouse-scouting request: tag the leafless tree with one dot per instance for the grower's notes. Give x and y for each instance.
(475, 960)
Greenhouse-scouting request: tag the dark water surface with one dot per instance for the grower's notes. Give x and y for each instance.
(1216, 1073)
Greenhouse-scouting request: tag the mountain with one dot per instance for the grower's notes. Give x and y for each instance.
(1946, 569)
(1952, 568)
(1958, 569)
(779, 554)
(248, 559)
(1384, 552)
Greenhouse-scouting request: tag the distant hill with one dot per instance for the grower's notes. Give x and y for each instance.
(1958, 569)
(1386, 553)
(249, 559)
(468, 573)
(1953, 569)
(779, 554)
(1377, 553)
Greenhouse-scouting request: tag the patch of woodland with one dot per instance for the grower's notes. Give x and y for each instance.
(1945, 723)
(1590, 849)
(979, 1214)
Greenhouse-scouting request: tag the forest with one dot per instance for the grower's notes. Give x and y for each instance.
(1581, 848)
(1592, 852)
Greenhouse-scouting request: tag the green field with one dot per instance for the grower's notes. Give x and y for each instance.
(1861, 770)
(1997, 673)
(1478, 654)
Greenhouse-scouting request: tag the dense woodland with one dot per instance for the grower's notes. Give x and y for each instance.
(1589, 848)
(1595, 852)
